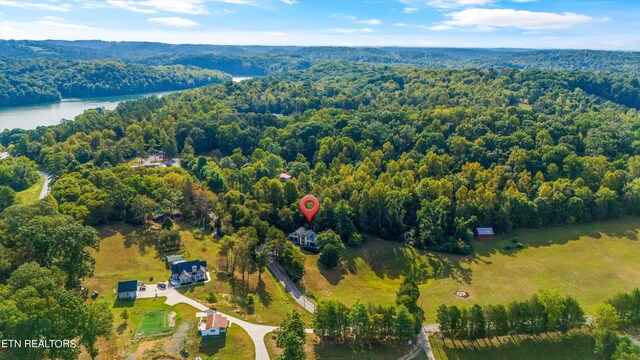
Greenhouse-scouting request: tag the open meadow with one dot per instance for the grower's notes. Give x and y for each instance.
(591, 262)
(575, 345)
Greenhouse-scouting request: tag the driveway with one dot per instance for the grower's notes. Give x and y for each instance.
(45, 188)
(290, 287)
(256, 332)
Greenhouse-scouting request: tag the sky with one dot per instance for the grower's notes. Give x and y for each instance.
(550, 24)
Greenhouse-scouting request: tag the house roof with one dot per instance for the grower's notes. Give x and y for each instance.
(187, 266)
(301, 230)
(216, 321)
(285, 176)
(176, 257)
(310, 234)
(484, 231)
(127, 286)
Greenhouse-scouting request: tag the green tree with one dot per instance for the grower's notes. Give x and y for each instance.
(97, 322)
(331, 248)
(290, 337)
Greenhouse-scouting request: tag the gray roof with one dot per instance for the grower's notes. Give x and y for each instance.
(484, 231)
(127, 286)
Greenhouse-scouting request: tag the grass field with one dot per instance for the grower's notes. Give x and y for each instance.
(153, 322)
(31, 194)
(591, 262)
(573, 346)
(123, 255)
(315, 350)
(236, 345)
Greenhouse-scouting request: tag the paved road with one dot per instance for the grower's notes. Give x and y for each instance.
(290, 287)
(423, 339)
(256, 332)
(46, 189)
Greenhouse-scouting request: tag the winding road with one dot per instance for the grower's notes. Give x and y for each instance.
(46, 189)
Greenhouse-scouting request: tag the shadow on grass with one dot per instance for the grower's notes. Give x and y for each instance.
(211, 345)
(124, 303)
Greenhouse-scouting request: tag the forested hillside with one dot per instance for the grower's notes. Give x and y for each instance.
(260, 60)
(37, 80)
(405, 153)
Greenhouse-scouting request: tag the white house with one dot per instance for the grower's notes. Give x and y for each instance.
(212, 325)
(187, 272)
(127, 289)
(303, 237)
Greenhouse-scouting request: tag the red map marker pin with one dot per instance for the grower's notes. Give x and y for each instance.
(309, 213)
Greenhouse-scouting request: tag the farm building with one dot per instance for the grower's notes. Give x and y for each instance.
(484, 233)
(212, 325)
(127, 289)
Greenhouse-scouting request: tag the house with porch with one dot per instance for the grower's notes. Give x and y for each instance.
(188, 272)
(213, 325)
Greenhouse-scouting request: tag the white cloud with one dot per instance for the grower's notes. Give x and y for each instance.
(58, 22)
(351, 31)
(289, 2)
(34, 6)
(485, 19)
(409, 10)
(127, 6)
(454, 4)
(193, 7)
(174, 21)
(399, 24)
(369, 22)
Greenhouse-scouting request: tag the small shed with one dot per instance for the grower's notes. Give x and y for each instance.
(127, 289)
(484, 233)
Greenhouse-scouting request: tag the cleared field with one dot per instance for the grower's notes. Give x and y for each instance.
(124, 255)
(591, 262)
(32, 194)
(573, 346)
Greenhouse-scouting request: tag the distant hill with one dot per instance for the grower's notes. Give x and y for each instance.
(260, 60)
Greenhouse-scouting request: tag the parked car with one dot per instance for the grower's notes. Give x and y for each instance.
(162, 285)
(142, 287)
(94, 295)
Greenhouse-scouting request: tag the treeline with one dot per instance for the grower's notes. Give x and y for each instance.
(627, 307)
(43, 257)
(16, 174)
(30, 81)
(224, 57)
(408, 154)
(335, 322)
(546, 311)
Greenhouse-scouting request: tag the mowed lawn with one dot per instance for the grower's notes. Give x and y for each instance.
(32, 194)
(591, 262)
(574, 346)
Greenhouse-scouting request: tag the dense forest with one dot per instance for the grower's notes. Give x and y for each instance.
(260, 60)
(37, 80)
(404, 153)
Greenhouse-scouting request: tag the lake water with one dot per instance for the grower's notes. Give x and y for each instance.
(32, 116)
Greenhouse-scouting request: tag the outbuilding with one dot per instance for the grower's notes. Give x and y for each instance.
(127, 289)
(484, 233)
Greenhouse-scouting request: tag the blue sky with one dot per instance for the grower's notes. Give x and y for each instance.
(588, 24)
